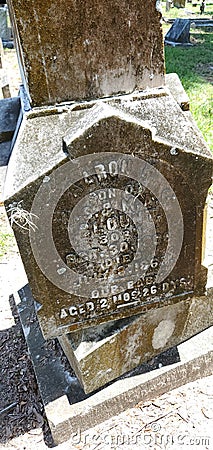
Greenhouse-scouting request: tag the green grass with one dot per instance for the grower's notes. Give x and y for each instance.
(6, 243)
(194, 65)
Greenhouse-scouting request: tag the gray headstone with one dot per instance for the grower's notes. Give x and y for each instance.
(3, 23)
(84, 50)
(179, 3)
(5, 150)
(9, 112)
(179, 31)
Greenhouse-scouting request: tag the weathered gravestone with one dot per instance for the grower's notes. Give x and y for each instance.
(115, 232)
(179, 32)
(180, 3)
(9, 114)
(169, 4)
(3, 23)
(106, 197)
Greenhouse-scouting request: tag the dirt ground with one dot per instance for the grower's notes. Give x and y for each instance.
(180, 419)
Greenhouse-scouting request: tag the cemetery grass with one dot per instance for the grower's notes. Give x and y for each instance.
(188, 11)
(194, 65)
(5, 243)
(6, 237)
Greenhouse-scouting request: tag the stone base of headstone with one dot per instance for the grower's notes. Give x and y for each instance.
(179, 3)
(99, 355)
(70, 411)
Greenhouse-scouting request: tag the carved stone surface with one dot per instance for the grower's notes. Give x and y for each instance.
(87, 49)
(103, 353)
(116, 230)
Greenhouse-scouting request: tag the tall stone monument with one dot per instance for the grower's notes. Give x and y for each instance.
(71, 51)
(106, 186)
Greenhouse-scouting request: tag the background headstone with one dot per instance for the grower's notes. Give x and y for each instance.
(179, 32)
(169, 4)
(180, 3)
(125, 126)
(106, 197)
(85, 50)
(5, 27)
